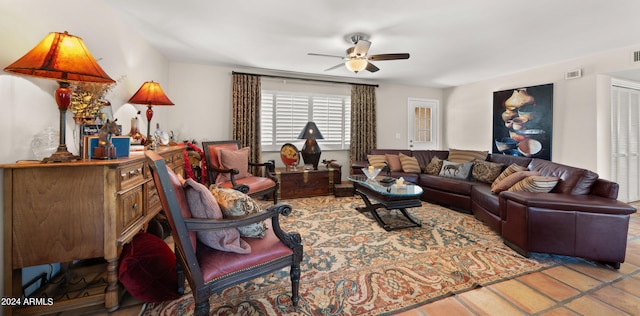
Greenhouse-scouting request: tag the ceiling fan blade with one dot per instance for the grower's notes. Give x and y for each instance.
(335, 67)
(325, 55)
(389, 56)
(372, 68)
(361, 48)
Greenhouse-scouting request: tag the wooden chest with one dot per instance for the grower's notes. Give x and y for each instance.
(305, 183)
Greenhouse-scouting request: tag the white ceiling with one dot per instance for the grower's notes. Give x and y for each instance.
(451, 42)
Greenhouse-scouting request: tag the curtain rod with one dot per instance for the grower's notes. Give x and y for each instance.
(304, 79)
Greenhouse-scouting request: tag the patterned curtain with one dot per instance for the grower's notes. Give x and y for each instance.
(246, 114)
(363, 122)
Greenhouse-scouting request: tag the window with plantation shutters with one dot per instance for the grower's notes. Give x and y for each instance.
(284, 114)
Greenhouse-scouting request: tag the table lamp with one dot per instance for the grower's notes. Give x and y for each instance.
(62, 57)
(150, 94)
(311, 150)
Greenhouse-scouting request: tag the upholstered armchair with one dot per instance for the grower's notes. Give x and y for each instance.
(229, 166)
(209, 270)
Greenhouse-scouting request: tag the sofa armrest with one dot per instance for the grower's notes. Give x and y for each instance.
(605, 188)
(567, 202)
(356, 166)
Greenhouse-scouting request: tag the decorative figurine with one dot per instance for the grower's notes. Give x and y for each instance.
(105, 149)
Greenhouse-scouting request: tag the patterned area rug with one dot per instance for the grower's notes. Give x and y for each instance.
(354, 267)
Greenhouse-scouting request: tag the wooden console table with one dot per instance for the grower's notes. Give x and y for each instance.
(62, 212)
(305, 183)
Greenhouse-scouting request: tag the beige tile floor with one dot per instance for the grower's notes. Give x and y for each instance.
(572, 289)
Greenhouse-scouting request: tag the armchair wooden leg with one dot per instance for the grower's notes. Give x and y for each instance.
(295, 284)
(202, 308)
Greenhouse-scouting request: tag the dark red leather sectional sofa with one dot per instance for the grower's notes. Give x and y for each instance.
(580, 217)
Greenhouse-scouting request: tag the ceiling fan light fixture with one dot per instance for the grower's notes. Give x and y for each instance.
(356, 65)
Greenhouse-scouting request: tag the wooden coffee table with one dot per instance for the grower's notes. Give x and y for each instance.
(387, 196)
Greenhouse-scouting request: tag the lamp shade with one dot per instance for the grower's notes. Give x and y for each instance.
(62, 57)
(356, 64)
(150, 94)
(310, 131)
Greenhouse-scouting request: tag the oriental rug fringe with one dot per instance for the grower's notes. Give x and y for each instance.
(354, 267)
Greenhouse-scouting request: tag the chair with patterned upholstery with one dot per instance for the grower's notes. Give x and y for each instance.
(208, 270)
(228, 165)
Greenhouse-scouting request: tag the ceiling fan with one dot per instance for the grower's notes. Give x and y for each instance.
(357, 59)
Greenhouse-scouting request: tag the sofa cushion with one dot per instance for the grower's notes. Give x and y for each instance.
(408, 176)
(456, 170)
(234, 203)
(409, 164)
(485, 171)
(481, 194)
(233, 159)
(572, 180)
(434, 166)
(377, 161)
(511, 169)
(538, 184)
(457, 186)
(512, 179)
(203, 205)
(460, 155)
(508, 160)
(425, 156)
(394, 162)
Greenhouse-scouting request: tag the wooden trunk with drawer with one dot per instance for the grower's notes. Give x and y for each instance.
(61, 212)
(305, 183)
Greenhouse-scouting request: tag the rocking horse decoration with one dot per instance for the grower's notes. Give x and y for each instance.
(105, 149)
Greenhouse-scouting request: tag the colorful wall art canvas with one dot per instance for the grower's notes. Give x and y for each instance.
(523, 121)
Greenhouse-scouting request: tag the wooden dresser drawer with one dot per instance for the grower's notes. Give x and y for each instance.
(174, 160)
(130, 175)
(130, 209)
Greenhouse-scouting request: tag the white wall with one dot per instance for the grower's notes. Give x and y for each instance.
(27, 103)
(580, 109)
(202, 93)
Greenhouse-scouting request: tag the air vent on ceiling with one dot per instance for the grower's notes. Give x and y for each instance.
(636, 56)
(573, 74)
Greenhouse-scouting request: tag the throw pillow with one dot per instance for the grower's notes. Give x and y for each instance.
(486, 171)
(234, 203)
(394, 162)
(456, 170)
(434, 166)
(233, 159)
(147, 269)
(512, 179)
(377, 161)
(409, 164)
(459, 155)
(203, 205)
(513, 168)
(538, 184)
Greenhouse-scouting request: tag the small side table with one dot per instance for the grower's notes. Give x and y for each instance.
(306, 183)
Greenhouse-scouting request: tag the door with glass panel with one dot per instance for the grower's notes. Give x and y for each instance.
(423, 124)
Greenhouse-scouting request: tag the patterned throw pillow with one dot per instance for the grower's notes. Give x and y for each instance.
(394, 162)
(456, 170)
(233, 159)
(377, 161)
(512, 179)
(459, 155)
(234, 203)
(434, 166)
(486, 171)
(537, 184)
(513, 168)
(204, 205)
(409, 164)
